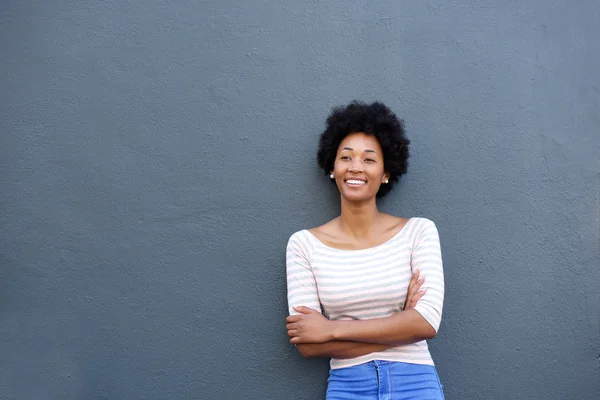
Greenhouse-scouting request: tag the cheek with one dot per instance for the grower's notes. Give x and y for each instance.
(377, 173)
(338, 166)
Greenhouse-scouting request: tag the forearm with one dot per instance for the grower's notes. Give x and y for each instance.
(339, 349)
(400, 328)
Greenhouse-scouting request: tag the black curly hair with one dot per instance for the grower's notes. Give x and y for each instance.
(374, 119)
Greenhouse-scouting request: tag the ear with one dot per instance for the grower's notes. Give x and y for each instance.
(386, 177)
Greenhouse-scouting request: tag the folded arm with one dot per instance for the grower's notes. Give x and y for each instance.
(349, 339)
(400, 328)
(341, 349)
(316, 336)
(409, 326)
(403, 327)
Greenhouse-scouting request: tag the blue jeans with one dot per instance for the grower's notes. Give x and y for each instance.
(384, 380)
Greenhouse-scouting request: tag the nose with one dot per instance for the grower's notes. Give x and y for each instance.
(356, 166)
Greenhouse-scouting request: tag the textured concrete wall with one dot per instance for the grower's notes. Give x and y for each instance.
(155, 156)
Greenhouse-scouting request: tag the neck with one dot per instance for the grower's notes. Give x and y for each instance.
(358, 219)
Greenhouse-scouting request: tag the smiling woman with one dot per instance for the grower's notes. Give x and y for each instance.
(366, 289)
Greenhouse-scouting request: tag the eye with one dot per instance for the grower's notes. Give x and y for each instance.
(369, 160)
(344, 158)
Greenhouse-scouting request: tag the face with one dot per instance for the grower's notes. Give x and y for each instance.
(358, 168)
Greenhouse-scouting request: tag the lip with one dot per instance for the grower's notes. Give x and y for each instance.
(355, 184)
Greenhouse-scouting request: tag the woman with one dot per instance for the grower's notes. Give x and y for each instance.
(366, 289)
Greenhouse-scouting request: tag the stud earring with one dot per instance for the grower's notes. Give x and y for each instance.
(331, 176)
(386, 181)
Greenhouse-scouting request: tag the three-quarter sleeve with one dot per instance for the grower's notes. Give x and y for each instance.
(301, 284)
(427, 258)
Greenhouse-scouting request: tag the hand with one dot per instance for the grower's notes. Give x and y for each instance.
(414, 294)
(309, 326)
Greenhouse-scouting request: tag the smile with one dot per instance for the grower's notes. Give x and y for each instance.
(355, 182)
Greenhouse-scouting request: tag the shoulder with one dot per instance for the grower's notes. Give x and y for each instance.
(300, 245)
(301, 240)
(328, 229)
(298, 236)
(423, 229)
(422, 222)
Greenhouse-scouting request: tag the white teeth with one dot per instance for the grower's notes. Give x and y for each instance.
(355, 182)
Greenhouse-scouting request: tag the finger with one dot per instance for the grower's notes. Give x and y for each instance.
(295, 340)
(417, 286)
(417, 274)
(415, 299)
(412, 290)
(291, 326)
(293, 318)
(420, 294)
(413, 282)
(292, 333)
(414, 278)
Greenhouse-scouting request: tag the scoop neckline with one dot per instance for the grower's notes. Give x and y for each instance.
(367, 248)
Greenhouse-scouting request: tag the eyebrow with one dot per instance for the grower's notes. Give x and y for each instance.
(366, 150)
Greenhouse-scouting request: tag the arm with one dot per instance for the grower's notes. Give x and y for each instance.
(404, 327)
(341, 349)
(400, 328)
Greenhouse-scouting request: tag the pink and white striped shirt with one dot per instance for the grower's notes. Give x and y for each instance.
(369, 283)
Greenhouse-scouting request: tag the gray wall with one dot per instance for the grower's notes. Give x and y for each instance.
(155, 157)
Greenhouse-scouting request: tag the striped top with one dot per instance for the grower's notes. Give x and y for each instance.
(369, 283)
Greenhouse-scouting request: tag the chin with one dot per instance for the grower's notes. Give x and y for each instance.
(355, 197)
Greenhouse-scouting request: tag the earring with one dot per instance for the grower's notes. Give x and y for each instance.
(331, 175)
(386, 181)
